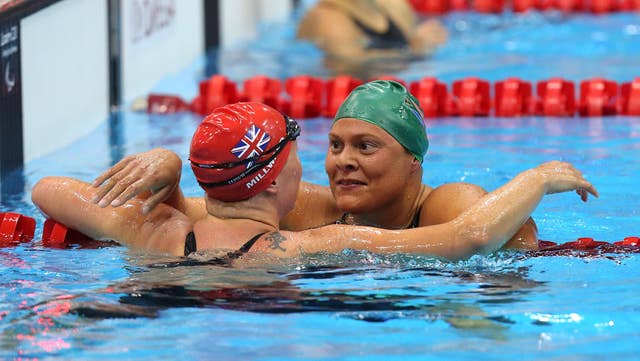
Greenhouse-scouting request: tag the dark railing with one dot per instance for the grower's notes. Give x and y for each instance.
(11, 140)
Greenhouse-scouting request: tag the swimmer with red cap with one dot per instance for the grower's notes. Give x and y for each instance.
(232, 166)
(244, 157)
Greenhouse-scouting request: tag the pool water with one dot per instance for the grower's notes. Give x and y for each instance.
(103, 303)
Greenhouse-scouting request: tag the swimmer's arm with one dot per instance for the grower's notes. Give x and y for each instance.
(68, 201)
(448, 201)
(314, 207)
(483, 228)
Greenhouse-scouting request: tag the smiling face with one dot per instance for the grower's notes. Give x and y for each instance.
(369, 171)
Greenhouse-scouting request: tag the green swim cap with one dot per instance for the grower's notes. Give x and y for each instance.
(390, 106)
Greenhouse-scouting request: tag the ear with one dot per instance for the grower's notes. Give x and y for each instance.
(272, 188)
(415, 164)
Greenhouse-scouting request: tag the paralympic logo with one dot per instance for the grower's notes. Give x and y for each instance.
(9, 78)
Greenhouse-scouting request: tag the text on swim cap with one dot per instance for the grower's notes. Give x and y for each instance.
(261, 174)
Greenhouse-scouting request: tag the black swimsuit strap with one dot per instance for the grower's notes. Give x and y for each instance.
(190, 247)
(245, 247)
(393, 38)
(415, 222)
(343, 219)
(190, 244)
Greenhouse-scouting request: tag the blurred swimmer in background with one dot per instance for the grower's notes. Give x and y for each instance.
(364, 38)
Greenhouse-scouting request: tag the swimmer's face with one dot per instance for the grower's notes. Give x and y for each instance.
(289, 180)
(368, 169)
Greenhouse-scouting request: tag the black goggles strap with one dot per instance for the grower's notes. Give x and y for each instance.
(253, 169)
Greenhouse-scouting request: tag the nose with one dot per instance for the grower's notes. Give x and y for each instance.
(346, 160)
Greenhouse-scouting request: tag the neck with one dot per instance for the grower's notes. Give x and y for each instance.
(256, 211)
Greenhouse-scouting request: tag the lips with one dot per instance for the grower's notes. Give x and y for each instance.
(349, 182)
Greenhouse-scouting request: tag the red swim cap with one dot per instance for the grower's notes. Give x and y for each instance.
(239, 149)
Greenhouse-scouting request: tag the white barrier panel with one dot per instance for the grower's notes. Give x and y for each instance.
(239, 19)
(65, 79)
(159, 37)
(65, 60)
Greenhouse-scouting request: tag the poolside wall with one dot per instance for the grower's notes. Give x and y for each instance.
(66, 63)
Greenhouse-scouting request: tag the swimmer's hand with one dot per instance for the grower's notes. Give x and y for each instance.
(560, 177)
(154, 175)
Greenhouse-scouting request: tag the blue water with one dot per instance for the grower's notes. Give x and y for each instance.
(108, 303)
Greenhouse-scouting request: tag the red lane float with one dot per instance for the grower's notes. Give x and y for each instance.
(432, 7)
(214, 92)
(57, 235)
(337, 90)
(520, 6)
(629, 241)
(459, 5)
(306, 96)
(556, 98)
(598, 97)
(630, 98)
(488, 6)
(471, 97)
(513, 98)
(166, 104)
(15, 228)
(441, 7)
(262, 89)
(588, 246)
(568, 6)
(432, 96)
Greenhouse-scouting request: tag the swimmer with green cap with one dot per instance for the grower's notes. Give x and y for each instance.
(377, 146)
(388, 105)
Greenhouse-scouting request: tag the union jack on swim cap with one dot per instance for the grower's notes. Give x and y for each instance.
(239, 149)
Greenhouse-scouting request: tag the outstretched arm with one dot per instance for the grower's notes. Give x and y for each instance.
(483, 228)
(448, 201)
(68, 201)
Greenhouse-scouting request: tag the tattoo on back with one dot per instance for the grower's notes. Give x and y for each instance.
(275, 239)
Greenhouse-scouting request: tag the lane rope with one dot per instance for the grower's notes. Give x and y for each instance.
(305, 96)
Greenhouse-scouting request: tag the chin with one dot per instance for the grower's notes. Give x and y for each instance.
(351, 205)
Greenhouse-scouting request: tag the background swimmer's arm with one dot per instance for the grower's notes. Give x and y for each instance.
(68, 201)
(427, 36)
(153, 176)
(448, 201)
(315, 206)
(483, 228)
